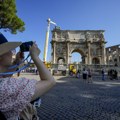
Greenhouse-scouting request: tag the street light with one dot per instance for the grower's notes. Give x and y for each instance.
(47, 38)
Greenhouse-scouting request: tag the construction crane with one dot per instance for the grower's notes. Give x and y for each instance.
(47, 39)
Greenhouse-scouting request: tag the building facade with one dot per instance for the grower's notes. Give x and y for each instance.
(113, 55)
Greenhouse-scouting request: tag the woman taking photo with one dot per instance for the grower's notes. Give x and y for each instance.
(16, 94)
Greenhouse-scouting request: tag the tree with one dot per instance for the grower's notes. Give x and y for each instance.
(9, 21)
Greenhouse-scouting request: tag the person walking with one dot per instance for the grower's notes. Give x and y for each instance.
(85, 74)
(89, 76)
(78, 74)
(103, 74)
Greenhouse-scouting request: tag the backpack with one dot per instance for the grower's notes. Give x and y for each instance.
(29, 113)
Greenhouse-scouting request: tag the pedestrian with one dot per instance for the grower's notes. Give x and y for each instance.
(89, 76)
(17, 93)
(103, 74)
(36, 71)
(85, 74)
(78, 74)
(110, 74)
(116, 75)
(113, 74)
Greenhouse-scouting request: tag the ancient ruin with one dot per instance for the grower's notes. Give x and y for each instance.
(113, 55)
(89, 43)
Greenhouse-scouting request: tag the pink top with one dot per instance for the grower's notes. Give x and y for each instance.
(15, 94)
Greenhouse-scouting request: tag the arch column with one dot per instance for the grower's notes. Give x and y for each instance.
(117, 52)
(103, 53)
(67, 60)
(70, 56)
(86, 59)
(54, 51)
(89, 53)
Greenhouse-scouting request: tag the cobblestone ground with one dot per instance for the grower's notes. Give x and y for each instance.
(74, 99)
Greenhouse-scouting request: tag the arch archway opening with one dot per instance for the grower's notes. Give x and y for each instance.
(95, 61)
(77, 57)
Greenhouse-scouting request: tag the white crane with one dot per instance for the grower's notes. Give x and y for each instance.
(47, 38)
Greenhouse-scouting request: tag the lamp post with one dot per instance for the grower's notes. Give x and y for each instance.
(47, 38)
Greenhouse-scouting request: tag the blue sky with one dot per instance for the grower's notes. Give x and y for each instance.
(69, 15)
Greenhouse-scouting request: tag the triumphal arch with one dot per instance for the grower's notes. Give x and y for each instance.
(89, 43)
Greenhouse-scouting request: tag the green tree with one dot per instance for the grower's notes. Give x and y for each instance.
(9, 21)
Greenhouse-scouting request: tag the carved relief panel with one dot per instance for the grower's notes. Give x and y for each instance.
(60, 49)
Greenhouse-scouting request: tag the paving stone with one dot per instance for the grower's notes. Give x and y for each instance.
(73, 99)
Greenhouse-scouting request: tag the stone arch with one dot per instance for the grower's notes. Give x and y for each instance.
(80, 52)
(65, 42)
(95, 60)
